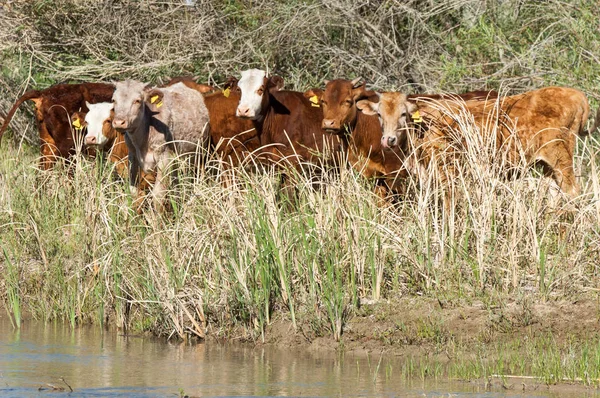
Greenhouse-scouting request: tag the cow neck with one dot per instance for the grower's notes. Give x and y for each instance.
(259, 123)
(362, 133)
(141, 133)
(352, 125)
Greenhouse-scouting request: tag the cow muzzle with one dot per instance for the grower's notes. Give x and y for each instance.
(389, 141)
(120, 124)
(90, 140)
(244, 112)
(330, 125)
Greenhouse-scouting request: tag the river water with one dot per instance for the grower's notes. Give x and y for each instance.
(100, 363)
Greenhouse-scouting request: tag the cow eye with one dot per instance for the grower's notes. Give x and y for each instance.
(348, 102)
(323, 102)
(260, 91)
(137, 101)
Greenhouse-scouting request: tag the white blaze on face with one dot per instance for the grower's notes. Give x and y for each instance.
(97, 118)
(252, 86)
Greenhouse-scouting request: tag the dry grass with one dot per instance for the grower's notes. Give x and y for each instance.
(231, 259)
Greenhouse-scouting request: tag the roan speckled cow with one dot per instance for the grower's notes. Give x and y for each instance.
(159, 123)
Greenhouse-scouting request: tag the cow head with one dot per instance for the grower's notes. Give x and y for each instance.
(395, 113)
(99, 124)
(255, 87)
(128, 100)
(339, 103)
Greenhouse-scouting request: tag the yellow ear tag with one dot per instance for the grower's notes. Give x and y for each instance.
(314, 101)
(159, 104)
(153, 99)
(416, 117)
(76, 124)
(226, 92)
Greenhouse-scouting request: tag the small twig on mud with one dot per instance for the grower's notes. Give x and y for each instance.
(64, 381)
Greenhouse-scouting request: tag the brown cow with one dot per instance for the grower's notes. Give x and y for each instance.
(542, 124)
(362, 132)
(54, 106)
(233, 138)
(288, 125)
(368, 153)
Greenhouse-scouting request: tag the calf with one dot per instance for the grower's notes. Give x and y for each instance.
(158, 123)
(342, 110)
(288, 125)
(341, 117)
(542, 124)
(103, 138)
(53, 108)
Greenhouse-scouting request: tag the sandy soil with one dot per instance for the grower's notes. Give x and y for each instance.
(413, 326)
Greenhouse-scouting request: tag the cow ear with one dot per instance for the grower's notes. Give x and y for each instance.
(275, 83)
(78, 120)
(313, 92)
(357, 82)
(411, 107)
(231, 83)
(314, 96)
(412, 111)
(368, 107)
(361, 92)
(154, 99)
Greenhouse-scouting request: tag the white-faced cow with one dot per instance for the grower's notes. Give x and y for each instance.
(288, 123)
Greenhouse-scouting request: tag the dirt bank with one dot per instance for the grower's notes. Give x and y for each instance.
(420, 326)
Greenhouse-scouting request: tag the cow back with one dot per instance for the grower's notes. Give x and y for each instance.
(292, 129)
(55, 106)
(182, 118)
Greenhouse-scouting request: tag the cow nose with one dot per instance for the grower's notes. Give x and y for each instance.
(243, 111)
(388, 141)
(90, 140)
(328, 124)
(119, 123)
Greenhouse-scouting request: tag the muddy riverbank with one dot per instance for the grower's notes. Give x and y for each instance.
(41, 358)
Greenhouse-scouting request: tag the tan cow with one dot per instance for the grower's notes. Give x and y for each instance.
(543, 125)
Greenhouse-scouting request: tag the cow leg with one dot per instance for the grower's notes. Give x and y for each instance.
(134, 172)
(48, 149)
(159, 190)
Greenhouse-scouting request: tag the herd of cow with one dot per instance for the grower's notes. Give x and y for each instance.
(386, 136)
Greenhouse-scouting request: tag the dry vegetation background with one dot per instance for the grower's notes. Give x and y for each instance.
(233, 259)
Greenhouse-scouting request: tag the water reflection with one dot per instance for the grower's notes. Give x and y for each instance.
(97, 363)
